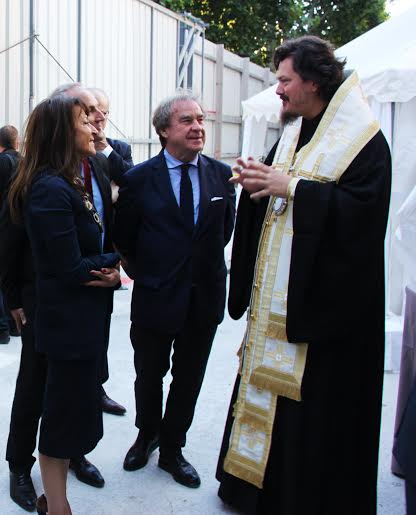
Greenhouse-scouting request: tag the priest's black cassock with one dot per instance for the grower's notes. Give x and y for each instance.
(324, 451)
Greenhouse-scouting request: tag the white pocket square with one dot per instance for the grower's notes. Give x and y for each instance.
(216, 198)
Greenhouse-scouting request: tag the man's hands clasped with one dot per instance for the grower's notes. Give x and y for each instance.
(105, 278)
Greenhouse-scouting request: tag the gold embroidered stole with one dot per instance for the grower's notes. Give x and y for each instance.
(270, 365)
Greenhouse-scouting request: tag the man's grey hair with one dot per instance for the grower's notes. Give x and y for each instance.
(163, 112)
(64, 88)
(101, 92)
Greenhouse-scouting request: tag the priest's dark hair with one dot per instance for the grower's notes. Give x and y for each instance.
(313, 59)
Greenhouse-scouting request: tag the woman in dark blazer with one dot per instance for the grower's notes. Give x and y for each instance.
(66, 238)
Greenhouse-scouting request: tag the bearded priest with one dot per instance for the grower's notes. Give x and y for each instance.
(302, 433)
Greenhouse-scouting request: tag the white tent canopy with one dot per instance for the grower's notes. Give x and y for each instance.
(385, 59)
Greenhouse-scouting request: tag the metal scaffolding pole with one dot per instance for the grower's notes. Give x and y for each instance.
(31, 56)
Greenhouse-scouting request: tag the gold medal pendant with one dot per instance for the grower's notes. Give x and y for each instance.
(280, 206)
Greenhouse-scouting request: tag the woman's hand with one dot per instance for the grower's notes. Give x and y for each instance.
(106, 278)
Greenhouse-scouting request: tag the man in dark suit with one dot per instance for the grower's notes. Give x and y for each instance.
(118, 152)
(9, 146)
(96, 117)
(9, 155)
(174, 216)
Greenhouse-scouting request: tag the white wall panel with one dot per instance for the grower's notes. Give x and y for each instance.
(116, 39)
(164, 56)
(140, 153)
(120, 54)
(231, 100)
(14, 75)
(209, 73)
(232, 59)
(210, 49)
(209, 86)
(154, 149)
(197, 82)
(56, 25)
(254, 86)
(231, 139)
(208, 98)
(209, 141)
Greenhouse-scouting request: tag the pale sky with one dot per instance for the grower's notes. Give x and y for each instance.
(395, 7)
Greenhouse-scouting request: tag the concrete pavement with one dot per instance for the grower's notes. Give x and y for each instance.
(151, 491)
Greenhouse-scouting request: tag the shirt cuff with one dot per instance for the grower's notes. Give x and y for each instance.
(291, 187)
(107, 151)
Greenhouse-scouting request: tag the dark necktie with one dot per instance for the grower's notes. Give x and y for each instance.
(186, 199)
(87, 176)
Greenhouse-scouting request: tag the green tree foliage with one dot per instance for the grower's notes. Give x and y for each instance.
(342, 21)
(253, 28)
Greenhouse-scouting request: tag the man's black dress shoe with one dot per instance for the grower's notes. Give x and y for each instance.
(110, 406)
(182, 471)
(138, 454)
(22, 490)
(4, 337)
(86, 472)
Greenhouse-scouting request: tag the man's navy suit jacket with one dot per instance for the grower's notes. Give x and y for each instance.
(120, 160)
(8, 164)
(166, 260)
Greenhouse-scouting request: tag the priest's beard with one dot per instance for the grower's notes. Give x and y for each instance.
(286, 117)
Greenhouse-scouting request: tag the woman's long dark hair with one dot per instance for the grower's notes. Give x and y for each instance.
(49, 143)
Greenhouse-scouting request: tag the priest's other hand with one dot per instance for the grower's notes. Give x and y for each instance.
(259, 179)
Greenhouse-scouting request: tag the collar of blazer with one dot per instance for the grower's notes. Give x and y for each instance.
(164, 186)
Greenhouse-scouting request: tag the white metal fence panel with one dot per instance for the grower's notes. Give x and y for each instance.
(231, 100)
(14, 63)
(117, 59)
(130, 49)
(56, 25)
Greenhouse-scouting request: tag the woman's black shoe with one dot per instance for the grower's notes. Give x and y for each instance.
(42, 505)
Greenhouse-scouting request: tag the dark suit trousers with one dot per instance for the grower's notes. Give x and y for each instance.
(28, 400)
(4, 319)
(104, 359)
(191, 349)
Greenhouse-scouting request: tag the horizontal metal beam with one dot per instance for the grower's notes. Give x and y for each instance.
(226, 118)
(235, 67)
